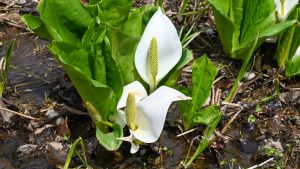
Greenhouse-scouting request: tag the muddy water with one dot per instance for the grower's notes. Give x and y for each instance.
(34, 71)
(30, 81)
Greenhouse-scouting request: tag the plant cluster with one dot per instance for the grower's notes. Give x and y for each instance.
(125, 61)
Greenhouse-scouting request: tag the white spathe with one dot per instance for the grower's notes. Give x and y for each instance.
(169, 47)
(151, 112)
(288, 6)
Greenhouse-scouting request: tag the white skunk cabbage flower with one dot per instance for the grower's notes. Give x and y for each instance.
(158, 51)
(145, 115)
(284, 7)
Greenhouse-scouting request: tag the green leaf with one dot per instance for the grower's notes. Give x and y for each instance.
(98, 62)
(92, 91)
(240, 22)
(72, 150)
(206, 116)
(204, 73)
(270, 31)
(35, 24)
(114, 12)
(114, 77)
(225, 26)
(258, 15)
(88, 36)
(5, 65)
(207, 136)
(138, 20)
(64, 20)
(81, 155)
(236, 16)
(108, 4)
(288, 42)
(123, 48)
(109, 140)
(293, 67)
(242, 71)
(221, 6)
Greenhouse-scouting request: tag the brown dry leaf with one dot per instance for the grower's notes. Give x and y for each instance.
(290, 97)
(6, 116)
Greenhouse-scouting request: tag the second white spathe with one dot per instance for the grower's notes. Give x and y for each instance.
(169, 46)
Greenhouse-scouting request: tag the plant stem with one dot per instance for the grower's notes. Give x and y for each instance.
(106, 123)
(158, 3)
(241, 74)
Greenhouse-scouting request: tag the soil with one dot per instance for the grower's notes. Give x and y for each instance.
(36, 83)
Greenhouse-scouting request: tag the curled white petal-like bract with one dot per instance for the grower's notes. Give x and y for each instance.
(121, 119)
(297, 54)
(169, 47)
(135, 87)
(152, 111)
(288, 6)
(134, 147)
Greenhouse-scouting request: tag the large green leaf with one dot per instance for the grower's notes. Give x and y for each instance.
(91, 91)
(236, 16)
(114, 77)
(293, 67)
(64, 20)
(138, 20)
(109, 140)
(288, 42)
(240, 22)
(35, 24)
(123, 48)
(221, 6)
(114, 12)
(257, 16)
(225, 27)
(204, 73)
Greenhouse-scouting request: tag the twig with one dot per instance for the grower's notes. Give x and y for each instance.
(75, 111)
(15, 24)
(180, 165)
(231, 104)
(19, 114)
(31, 74)
(69, 109)
(187, 132)
(218, 79)
(261, 164)
(230, 121)
(294, 89)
